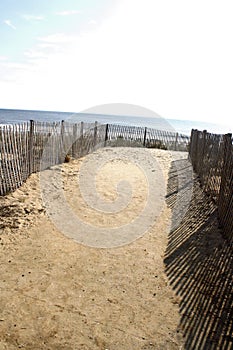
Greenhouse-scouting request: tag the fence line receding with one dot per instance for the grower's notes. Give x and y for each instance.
(23, 146)
(212, 159)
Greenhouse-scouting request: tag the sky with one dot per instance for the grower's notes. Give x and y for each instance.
(173, 57)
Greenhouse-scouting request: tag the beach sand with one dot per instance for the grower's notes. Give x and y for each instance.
(59, 294)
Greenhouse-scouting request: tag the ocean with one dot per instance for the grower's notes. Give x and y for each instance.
(12, 116)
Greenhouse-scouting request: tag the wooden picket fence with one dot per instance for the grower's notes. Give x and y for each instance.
(33, 146)
(212, 159)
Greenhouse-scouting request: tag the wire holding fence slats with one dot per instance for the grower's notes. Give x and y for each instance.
(212, 159)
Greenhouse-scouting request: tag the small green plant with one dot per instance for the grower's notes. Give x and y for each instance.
(156, 144)
(67, 158)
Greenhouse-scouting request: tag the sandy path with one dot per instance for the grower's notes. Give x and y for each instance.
(59, 294)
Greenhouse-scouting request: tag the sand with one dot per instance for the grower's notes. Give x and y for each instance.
(57, 293)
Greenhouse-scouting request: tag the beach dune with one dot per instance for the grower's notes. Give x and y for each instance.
(57, 293)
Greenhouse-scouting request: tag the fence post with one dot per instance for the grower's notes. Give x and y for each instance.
(81, 140)
(200, 151)
(30, 147)
(227, 149)
(191, 145)
(176, 141)
(62, 128)
(202, 156)
(204, 141)
(95, 134)
(144, 139)
(193, 148)
(74, 143)
(106, 135)
(62, 150)
(196, 158)
(225, 199)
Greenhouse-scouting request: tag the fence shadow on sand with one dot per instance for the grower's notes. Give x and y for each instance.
(198, 264)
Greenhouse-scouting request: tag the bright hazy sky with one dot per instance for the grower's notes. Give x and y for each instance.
(172, 56)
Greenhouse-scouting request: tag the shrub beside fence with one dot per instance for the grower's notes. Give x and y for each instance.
(212, 159)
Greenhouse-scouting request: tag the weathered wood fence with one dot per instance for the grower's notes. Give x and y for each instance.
(147, 137)
(33, 146)
(212, 159)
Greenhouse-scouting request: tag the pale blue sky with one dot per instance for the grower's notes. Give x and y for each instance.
(174, 57)
(24, 21)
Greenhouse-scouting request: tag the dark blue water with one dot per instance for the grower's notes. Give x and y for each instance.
(9, 116)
